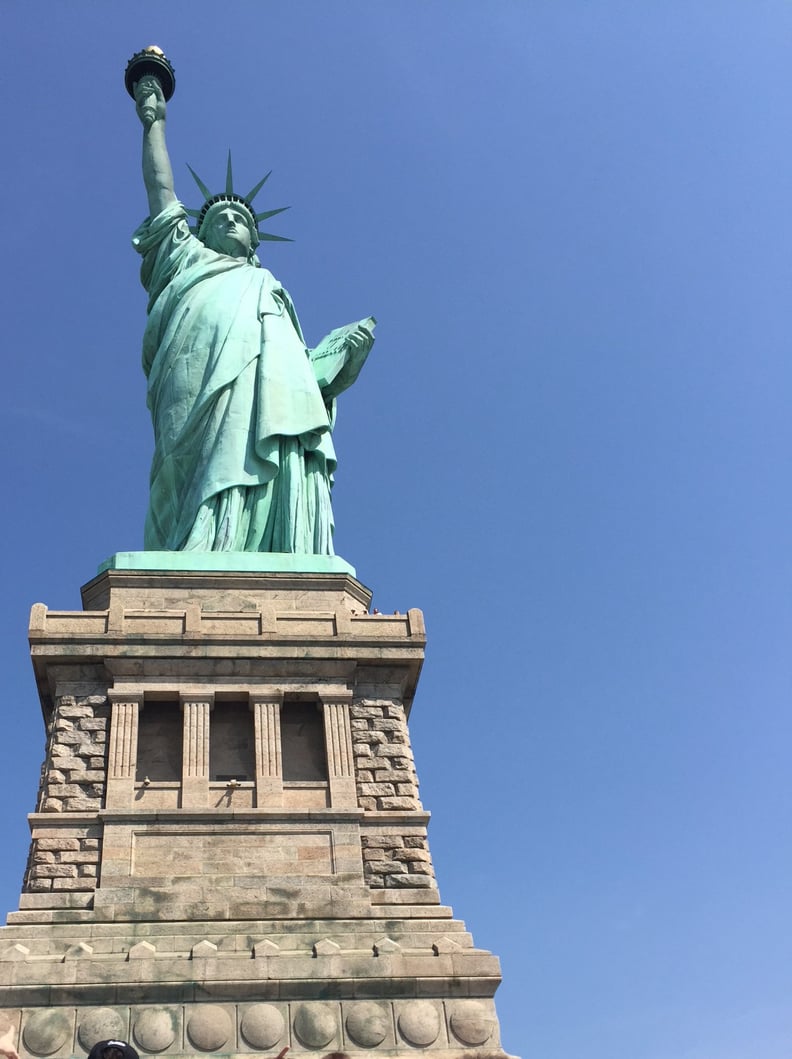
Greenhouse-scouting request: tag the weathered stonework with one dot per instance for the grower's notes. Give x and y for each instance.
(229, 853)
(75, 772)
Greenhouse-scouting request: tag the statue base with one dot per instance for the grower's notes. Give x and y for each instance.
(236, 562)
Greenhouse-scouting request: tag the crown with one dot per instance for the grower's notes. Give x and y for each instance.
(229, 195)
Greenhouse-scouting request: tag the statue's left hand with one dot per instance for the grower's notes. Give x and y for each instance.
(360, 339)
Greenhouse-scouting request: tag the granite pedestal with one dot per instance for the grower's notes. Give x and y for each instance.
(229, 853)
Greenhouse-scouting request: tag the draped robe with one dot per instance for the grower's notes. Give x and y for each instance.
(243, 456)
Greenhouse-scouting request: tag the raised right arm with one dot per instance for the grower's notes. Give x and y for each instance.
(157, 172)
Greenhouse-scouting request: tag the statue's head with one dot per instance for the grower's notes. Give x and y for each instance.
(213, 220)
(229, 228)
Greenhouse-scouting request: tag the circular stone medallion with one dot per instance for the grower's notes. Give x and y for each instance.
(419, 1023)
(209, 1027)
(315, 1024)
(367, 1024)
(471, 1022)
(155, 1029)
(100, 1024)
(46, 1031)
(262, 1026)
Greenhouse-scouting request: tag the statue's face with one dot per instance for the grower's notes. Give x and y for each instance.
(227, 232)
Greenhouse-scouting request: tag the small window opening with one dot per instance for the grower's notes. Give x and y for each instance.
(231, 743)
(302, 742)
(159, 755)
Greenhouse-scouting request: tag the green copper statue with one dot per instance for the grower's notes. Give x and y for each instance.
(242, 410)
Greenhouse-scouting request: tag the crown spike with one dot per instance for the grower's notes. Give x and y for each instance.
(229, 178)
(270, 213)
(265, 236)
(201, 186)
(252, 194)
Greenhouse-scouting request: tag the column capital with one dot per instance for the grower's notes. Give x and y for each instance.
(266, 695)
(202, 697)
(119, 696)
(335, 697)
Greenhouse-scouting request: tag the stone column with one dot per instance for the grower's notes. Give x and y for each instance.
(269, 766)
(338, 742)
(122, 751)
(195, 750)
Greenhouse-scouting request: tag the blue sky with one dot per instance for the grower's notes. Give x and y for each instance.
(570, 446)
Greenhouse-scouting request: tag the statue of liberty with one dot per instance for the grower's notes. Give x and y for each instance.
(242, 410)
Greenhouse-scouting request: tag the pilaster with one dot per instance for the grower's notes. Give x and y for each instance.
(269, 767)
(122, 753)
(196, 709)
(338, 742)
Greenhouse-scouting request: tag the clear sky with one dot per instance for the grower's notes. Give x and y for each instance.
(570, 446)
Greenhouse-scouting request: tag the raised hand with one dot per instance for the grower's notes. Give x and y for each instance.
(149, 100)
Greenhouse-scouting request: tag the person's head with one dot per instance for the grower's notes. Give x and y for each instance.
(112, 1050)
(228, 228)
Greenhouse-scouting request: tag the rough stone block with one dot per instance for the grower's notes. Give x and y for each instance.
(65, 790)
(398, 803)
(384, 867)
(76, 883)
(55, 871)
(395, 750)
(387, 724)
(68, 761)
(372, 853)
(372, 737)
(377, 789)
(387, 770)
(82, 805)
(414, 879)
(74, 712)
(77, 858)
(409, 855)
(383, 841)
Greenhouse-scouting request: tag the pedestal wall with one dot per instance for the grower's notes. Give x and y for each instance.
(229, 852)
